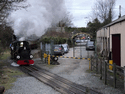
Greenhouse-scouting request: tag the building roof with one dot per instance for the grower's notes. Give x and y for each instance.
(116, 21)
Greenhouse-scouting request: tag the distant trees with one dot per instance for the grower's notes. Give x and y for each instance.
(104, 10)
(66, 21)
(5, 36)
(93, 26)
(5, 31)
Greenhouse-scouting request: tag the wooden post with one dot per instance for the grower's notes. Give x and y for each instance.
(96, 64)
(91, 62)
(96, 56)
(124, 78)
(114, 71)
(73, 49)
(48, 59)
(101, 69)
(105, 73)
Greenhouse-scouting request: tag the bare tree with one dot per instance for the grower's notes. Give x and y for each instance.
(103, 10)
(5, 31)
(66, 21)
(6, 6)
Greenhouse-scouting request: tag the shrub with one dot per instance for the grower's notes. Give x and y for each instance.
(1, 50)
(57, 40)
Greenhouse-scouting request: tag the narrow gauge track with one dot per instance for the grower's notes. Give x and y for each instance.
(62, 85)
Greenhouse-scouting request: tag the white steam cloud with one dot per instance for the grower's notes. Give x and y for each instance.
(38, 15)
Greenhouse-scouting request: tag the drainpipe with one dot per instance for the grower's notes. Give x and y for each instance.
(109, 39)
(104, 43)
(110, 53)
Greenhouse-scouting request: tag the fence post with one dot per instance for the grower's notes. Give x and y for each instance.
(96, 64)
(91, 62)
(101, 68)
(48, 59)
(73, 49)
(124, 78)
(114, 71)
(105, 73)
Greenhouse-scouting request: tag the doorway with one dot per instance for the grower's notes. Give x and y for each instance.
(116, 49)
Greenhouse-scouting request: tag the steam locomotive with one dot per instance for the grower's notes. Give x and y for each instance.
(21, 53)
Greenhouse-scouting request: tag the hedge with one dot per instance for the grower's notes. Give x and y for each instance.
(57, 40)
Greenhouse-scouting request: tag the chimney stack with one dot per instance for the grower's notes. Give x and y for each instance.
(119, 11)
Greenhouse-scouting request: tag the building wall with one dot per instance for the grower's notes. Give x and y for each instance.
(102, 39)
(119, 28)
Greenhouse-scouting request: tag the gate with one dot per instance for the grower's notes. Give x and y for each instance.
(79, 49)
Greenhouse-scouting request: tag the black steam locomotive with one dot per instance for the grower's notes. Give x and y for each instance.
(20, 51)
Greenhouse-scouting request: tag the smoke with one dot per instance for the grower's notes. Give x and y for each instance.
(32, 18)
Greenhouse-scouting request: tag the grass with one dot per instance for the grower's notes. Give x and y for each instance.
(8, 75)
(5, 54)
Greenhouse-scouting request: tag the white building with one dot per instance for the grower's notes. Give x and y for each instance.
(111, 38)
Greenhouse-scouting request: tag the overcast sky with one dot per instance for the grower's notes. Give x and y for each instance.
(81, 9)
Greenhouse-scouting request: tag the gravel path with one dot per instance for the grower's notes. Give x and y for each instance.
(30, 85)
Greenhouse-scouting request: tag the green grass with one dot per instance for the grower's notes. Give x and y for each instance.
(5, 54)
(7, 74)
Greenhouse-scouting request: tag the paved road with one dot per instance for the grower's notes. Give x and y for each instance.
(79, 51)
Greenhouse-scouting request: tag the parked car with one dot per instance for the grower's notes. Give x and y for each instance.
(58, 50)
(79, 41)
(90, 45)
(66, 48)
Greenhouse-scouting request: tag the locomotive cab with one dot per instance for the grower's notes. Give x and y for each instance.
(20, 51)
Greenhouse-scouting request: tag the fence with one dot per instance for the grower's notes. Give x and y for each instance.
(111, 73)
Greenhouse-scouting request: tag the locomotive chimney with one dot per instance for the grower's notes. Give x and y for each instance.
(14, 38)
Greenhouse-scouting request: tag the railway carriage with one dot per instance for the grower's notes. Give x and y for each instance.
(21, 53)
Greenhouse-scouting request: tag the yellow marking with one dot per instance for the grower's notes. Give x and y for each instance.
(88, 58)
(45, 55)
(48, 59)
(74, 58)
(89, 64)
(60, 56)
(110, 62)
(83, 58)
(78, 58)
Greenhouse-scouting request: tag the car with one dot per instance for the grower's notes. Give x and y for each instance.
(87, 40)
(58, 50)
(66, 48)
(90, 45)
(79, 41)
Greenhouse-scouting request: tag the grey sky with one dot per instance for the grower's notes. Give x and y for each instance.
(81, 9)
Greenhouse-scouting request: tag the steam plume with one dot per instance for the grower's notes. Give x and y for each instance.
(39, 15)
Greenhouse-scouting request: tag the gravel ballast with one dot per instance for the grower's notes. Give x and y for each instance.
(30, 85)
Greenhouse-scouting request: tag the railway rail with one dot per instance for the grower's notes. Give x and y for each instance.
(60, 84)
